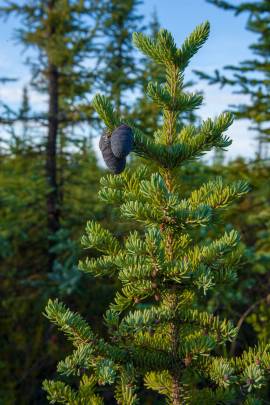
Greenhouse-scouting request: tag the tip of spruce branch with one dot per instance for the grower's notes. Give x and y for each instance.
(205, 26)
(97, 99)
(204, 30)
(135, 36)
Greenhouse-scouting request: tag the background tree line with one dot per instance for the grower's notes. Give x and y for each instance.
(50, 174)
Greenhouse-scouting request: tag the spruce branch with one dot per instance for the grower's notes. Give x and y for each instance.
(160, 382)
(105, 110)
(72, 324)
(193, 43)
(77, 362)
(125, 392)
(100, 239)
(58, 392)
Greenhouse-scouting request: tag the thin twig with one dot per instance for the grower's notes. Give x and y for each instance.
(242, 319)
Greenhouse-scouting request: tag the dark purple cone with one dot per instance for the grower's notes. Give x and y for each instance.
(114, 164)
(122, 141)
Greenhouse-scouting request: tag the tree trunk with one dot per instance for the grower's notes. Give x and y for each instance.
(51, 163)
(175, 391)
(175, 372)
(174, 327)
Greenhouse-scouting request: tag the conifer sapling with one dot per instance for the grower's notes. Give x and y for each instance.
(158, 329)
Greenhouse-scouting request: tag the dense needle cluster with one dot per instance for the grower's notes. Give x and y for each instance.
(159, 332)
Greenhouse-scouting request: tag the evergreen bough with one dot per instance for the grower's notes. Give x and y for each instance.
(157, 328)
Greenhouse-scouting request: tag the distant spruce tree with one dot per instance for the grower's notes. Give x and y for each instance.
(24, 115)
(251, 77)
(119, 66)
(4, 118)
(45, 170)
(22, 238)
(17, 128)
(63, 34)
(156, 329)
(25, 286)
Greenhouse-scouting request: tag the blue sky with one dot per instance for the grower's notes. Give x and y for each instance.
(228, 44)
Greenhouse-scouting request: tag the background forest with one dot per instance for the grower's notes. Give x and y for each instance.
(50, 171)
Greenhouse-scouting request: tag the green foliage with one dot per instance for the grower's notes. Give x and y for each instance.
(105, 110)
(119, 70)
(59, 20)
(160, 382)
(100, 238)
(71, 324)
(63, 37)
(145, 114)
(247, 301)
(59, 392)
(163, 50)
(25, 280)
(159, 326)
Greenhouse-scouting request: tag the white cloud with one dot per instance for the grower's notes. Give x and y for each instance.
(216, 101)
(11, 94)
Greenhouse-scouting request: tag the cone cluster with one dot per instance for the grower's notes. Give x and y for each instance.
(116, 147)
